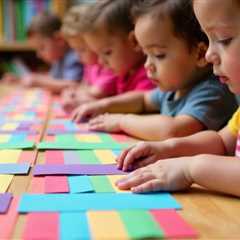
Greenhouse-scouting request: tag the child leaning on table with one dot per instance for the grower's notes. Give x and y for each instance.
(109, 32)
(187, 95)
(174, 164)
(98, 82)
(45, 36)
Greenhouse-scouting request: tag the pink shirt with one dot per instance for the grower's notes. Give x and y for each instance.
(101, 77)
(112, 84)
(137, 81)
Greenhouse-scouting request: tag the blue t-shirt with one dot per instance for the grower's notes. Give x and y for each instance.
(68, 68)
(209, 101)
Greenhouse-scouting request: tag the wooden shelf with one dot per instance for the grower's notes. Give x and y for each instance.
(15, 46)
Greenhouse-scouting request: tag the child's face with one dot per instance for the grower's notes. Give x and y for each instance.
(170, 64)
(86, 56)
(115, 51)
(220, 19)
(49, 49)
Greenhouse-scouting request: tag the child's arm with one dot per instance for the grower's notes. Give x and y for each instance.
(214, 172)
(152, 127)
(49, 83)
(131, 102)
(206, 142)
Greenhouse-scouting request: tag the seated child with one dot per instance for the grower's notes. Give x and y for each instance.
(187, 93)
(109, 33)
(44, 34)
(173, 164)
(98, 82)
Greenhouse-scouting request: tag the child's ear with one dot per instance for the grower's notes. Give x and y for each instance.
(133, 42)
(201, 52)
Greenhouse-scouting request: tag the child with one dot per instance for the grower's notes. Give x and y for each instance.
(99, 82)
(109, 33)
(187, 94)
(44, 33)
(220, 19)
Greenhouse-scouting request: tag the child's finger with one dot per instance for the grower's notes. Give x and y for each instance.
(134, 154)
(97, 127)
(134, 179)
(153, 185)
(121, 157)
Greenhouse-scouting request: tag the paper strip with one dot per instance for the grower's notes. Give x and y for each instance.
(172, 224)
(41, 226)
(5, 181)
(76, 169)
(97, 201)
(81, 146)
(9, 156)
(37, 185)
(56, 184)
(80, 184)
(28, 157)
(71, 157)
(88, 138)
(54, 157)
(106, 225)
(17, 145)
(87, 157)
(105, 156)
(5, 200)
(7, 221)
(141, 225)
(101, 184)
(74, 226)
(14, 168)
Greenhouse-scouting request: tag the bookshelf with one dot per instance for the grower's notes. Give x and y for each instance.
(16, 15)
(15, 46)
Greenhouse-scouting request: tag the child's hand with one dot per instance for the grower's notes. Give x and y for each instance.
(87, 111)
(69, 100)
(140, 155)
(106, 122)
(164, 175)
(9, 78)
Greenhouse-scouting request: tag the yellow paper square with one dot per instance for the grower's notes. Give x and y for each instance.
(88, 138)
(9, 156)
(4, 138)
(106, 225)
(10, 126)
(5, 181)
(105, 156)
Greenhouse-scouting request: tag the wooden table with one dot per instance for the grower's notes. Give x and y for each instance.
(214, 216)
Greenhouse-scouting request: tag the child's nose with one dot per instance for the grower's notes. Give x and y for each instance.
(101, 61)
(212, 56)
(148, 65)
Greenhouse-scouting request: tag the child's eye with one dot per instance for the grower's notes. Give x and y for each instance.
(160, 56)
(225, 42)
(107, 53)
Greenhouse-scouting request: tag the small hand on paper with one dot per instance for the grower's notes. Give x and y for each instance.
(106, 122)
(87, 111)
(164, 175)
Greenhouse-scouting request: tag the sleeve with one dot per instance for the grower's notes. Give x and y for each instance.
(156, 97)
(234, 123)
(211, 103)
(72, 69)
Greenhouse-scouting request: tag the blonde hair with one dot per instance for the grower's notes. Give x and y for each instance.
(74, 20)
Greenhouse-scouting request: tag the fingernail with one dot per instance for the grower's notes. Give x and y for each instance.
(120, 182)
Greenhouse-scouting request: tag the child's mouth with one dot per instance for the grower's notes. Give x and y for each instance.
(223, 79)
